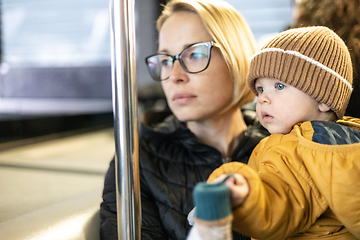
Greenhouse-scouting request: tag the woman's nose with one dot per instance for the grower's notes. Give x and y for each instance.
(178, 74)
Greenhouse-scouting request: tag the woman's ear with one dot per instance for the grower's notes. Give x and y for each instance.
(323, 108)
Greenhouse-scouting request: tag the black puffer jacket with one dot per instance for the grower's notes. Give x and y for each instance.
(172, 162)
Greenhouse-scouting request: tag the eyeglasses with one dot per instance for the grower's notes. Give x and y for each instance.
(193, 59)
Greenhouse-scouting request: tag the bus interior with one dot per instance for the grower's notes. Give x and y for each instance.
(56, 110)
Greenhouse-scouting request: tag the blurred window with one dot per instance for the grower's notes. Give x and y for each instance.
(55, 33)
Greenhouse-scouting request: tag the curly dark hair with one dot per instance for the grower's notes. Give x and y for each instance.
(343, 17)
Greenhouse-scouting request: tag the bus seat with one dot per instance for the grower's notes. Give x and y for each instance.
(77, 218)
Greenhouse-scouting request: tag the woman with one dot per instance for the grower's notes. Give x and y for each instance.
(204, 51)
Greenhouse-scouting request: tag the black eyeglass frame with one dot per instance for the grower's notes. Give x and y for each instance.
(210, 45)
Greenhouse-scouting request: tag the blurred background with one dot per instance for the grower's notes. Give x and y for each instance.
(56, 121)
(55, 60)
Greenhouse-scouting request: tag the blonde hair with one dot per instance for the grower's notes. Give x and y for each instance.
(232, 35)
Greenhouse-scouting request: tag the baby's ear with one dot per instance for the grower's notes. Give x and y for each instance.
(323, 108)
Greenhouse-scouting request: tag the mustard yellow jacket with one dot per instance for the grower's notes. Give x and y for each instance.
(303, 185)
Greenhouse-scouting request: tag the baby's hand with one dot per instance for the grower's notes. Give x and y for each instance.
(238, 186)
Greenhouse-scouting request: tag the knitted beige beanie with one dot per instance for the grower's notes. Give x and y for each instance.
(314, 60)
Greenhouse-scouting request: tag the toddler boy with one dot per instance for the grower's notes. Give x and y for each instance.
(303, 181)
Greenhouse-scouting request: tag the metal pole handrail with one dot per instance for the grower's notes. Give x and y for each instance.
(124, 85)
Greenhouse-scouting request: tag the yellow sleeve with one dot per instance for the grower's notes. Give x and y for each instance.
(283, 200)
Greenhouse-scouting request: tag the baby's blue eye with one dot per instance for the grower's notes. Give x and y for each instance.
(279, 86)
(260, 89)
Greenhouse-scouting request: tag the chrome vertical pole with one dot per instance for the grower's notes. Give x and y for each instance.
(124, 97)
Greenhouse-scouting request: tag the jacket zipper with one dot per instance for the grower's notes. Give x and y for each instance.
(226, 160)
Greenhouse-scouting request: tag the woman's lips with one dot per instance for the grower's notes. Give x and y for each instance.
(183, 98)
